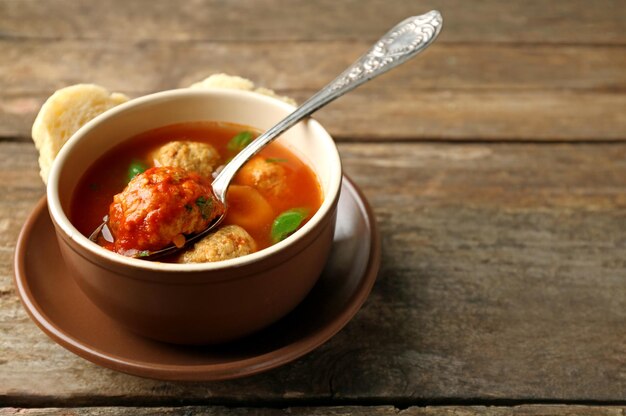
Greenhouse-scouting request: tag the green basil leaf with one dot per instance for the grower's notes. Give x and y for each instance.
(241, 140)
(276, 160)
(205, 205)
(136, 167)
(287, 222)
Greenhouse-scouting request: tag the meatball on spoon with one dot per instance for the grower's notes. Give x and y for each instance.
(397, 46)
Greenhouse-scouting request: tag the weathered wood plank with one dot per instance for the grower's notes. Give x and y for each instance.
(527, 410)
(516, 21)
(463, 116)
(485, 92)
(138, 67)
(374, 114)
(502, 278)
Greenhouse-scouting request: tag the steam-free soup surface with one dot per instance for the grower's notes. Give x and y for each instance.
(274, 193)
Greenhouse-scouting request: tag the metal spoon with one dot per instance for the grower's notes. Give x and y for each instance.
(401, 43)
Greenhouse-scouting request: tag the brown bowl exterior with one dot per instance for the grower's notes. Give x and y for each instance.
(233, 303)
(204, 303)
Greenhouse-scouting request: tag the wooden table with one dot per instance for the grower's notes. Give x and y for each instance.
(495, 164)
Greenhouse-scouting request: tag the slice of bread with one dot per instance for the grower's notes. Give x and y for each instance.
(63, 114)
(238, 83)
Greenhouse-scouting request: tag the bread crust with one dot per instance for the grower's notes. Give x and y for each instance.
(63, 113)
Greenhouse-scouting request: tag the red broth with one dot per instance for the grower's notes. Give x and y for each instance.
(109, 176)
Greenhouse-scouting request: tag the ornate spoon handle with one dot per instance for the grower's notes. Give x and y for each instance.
(401, 43)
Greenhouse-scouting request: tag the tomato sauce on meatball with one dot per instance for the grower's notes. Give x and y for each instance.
(159, 205)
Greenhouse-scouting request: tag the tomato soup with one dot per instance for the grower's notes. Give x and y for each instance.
(274, 194)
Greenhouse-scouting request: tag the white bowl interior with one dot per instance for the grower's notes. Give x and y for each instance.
(308, 140)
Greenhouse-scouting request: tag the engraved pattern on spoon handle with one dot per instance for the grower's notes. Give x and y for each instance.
(398, 45)
(401, 43)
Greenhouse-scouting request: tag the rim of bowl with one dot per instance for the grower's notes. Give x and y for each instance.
(59, 216)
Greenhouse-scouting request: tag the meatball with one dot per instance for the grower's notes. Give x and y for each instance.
(269, 178)
(226, 243)
(192, 156)
(159, 205)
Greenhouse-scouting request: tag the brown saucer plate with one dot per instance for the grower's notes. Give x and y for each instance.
(60, 309)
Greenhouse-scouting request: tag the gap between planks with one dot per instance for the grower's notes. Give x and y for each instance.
(399, 403)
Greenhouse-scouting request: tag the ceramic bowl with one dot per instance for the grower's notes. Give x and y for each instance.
(205, 303)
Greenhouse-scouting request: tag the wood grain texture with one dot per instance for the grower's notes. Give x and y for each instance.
(503, 267)
(396, 115)
(529, 410)
(34, 66)
(490, 21)
(458, 92)
(502, 278)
